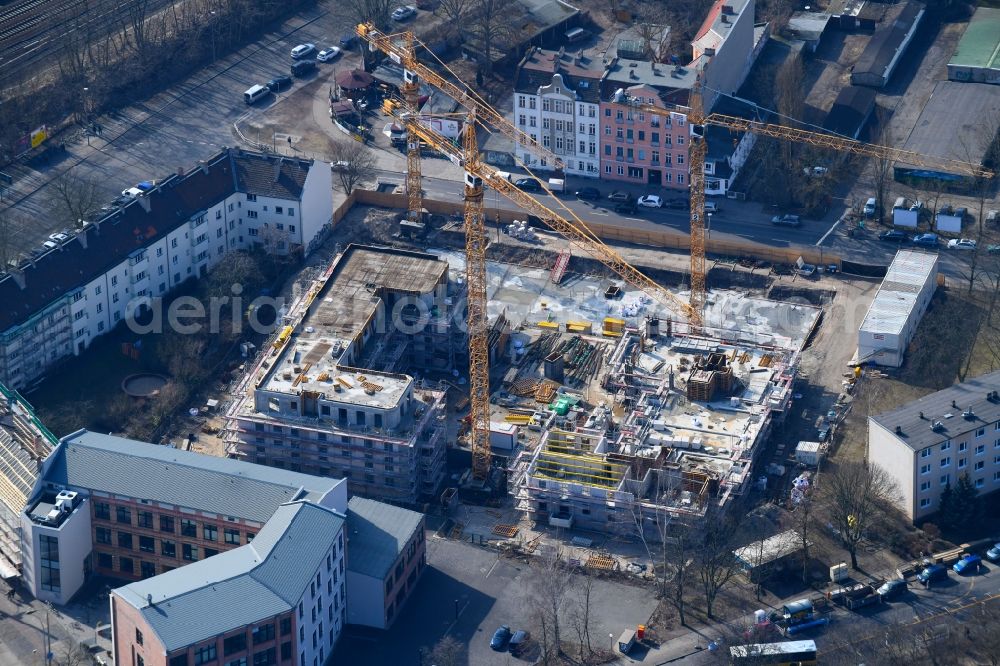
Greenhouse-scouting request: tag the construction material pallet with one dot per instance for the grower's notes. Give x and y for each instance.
(506, 531)
(602, 562)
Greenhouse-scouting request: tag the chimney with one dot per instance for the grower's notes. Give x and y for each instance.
(203, 165)
(899, 430)
(149, 599)
(180, 171)
(922, 417)
(954, 405)
(277, 168)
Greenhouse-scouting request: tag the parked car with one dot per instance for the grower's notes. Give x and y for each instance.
(302, 50)
(993, 249)
(348, 40)
(961, 244)
(869, 209)
(528, 185)
(591, 193)
(815, 171)
(678, 204)
(340, 165)
(926, 240)
(712, 207)
(993, 554)
(932, 573)
(50, 245)
(650, 201)
(618, 195)
(518, 641)
(894, 236)
(892, 588)
(993, 216)
(279, 83)
(302, 67)
(403, 13)
(626, 207)
(328, 54)
(58, 237)
(968, 564)
(500, 638)
(787, 220)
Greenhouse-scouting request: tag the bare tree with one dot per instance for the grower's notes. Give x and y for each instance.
(455, 11)
(491, 27)
(446, 652)
(581, 617)
(654, 31)
(71, 654)
(855, 496)
(7, 252)
(77, 196)
(802, 516)
(355, 161)
(551, 594)
(716, 565)
(881, 166)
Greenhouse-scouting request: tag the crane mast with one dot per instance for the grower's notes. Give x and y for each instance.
(411, 94)
(696, 157)
(475, 278)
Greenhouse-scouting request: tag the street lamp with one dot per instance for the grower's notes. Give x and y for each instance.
(212, 20)
(86, 113)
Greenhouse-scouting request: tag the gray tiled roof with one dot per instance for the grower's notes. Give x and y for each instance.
(242, 586)
(917, 432)
(183, 478)
(262, 175)
(377, 534)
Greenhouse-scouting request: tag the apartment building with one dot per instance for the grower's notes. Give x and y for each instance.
(556, 100)
(57, 303)
(929, 443)
(131, 510)
(388, 555)
(24, 443)
(332, 398)
(279, 600)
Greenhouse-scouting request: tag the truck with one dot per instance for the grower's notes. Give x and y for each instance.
(557, 184)
(861, 595)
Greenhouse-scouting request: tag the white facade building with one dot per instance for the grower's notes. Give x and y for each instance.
(556, 102)
(57, 304)
(928, 444)
(897, 308)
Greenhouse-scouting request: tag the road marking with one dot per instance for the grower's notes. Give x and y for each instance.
(830, 231)
(492, 568)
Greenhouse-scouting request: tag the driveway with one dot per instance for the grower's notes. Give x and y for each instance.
(487, 593)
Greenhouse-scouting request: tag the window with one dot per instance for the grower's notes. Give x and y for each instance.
(286, 626)
(926, 485)
(979, 465)
(104, 560)
(945, 461)
(123, 515)
(286, 650)
(207, 653)
(961, 463)
(264, 657)
(179, 660)
(126, 565)
(210, 532)
(102, 510)
(125, 540)
(189, 528)
(251, 197)
(189, 552)
(138, 637)
(168, 548)
(925, 453)
(147, 544)
(980, 432)
(236, 643)
(680, 160)
(962, 446)
(263, 634)
(925, 502)
(103, 535)
(166, 524)
(944, 480)
(147, 569)
(232, 536)
(252, 214)
(945, 445)
(145, 519)
(49, 547)
(981, 449)
(979, 483)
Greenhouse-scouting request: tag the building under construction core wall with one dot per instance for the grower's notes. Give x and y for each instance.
(669, 429)
(331, 396)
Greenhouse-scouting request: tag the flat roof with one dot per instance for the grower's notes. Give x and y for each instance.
(958, 122)
(946, 407)
(242, 586)
(376, 534)
(896, 297)
(980, 44)
(186, 479)
(352, 295)
(771, 549)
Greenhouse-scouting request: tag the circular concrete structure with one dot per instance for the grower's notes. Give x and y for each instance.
(143, 385)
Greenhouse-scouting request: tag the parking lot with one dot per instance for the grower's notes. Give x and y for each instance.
(487, 592)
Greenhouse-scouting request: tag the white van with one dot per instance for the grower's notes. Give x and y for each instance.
(711, 207)
(254, 93)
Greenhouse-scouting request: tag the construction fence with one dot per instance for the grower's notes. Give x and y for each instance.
(665, 238)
